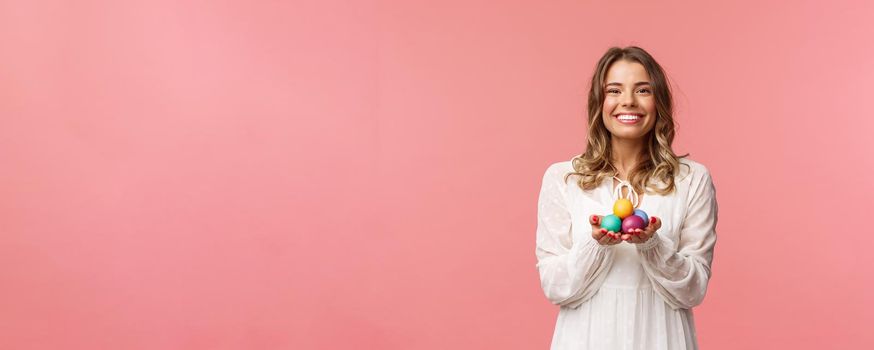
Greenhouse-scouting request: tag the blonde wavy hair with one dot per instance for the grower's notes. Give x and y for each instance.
(658, 161)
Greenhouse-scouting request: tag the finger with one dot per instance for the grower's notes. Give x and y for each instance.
(604, 239)
(640, 233)
(594, 220)
(617, 237)
(597, 234)
(634, 236)
(647, 231)
(644, 234)
(655, 223)
(626, 236)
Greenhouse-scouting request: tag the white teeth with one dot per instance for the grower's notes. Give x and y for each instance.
(628, 117)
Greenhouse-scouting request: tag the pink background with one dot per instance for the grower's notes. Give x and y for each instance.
(339, 174)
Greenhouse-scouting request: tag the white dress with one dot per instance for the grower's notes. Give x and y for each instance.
(625, 296)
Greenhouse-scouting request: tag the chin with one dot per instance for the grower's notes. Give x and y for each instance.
(626, 136)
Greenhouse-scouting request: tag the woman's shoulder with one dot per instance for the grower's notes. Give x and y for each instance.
(558, 169)
(691, 169)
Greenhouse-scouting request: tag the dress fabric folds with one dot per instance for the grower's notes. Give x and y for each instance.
(626, 296)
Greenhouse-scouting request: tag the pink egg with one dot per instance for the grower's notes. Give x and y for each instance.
(632, 222)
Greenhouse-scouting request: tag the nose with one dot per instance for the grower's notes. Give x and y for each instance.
(628, 100)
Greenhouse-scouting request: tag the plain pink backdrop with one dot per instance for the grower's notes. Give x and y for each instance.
(364, 175)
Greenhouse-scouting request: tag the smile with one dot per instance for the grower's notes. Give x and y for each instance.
(629, 118)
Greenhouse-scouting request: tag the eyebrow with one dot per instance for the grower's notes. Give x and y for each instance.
(635, 84)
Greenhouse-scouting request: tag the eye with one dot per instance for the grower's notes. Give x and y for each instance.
(645, 89)
(610, 91)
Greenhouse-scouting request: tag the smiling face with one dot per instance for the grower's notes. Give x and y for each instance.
(629, 110)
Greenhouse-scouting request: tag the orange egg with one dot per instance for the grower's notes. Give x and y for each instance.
(623, 208)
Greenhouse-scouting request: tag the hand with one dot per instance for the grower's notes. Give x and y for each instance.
(601, 235)
(639, 236)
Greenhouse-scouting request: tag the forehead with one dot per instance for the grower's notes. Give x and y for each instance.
(623, 71)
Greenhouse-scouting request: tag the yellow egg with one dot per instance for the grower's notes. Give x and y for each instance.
(623, 208)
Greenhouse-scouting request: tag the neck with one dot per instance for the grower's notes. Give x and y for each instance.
(626, 154)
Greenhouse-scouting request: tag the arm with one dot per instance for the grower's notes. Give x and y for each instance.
(681, 276)
(570, 272)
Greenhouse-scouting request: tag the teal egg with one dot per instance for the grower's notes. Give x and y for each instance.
(611, 223)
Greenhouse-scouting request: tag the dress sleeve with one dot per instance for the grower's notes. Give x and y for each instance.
(570, 272)
(681, 276)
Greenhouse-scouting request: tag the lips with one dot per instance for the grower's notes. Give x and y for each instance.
(628, 118)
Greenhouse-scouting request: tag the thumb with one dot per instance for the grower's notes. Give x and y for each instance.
(655, 222)
(595, 220)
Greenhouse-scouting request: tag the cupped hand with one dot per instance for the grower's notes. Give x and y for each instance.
(601, 235)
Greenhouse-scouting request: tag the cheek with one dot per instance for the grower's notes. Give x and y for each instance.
(608, 107)
(606, 112)
(650, 106)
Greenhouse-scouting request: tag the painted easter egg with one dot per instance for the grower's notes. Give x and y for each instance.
(623, 208)
(611, 223)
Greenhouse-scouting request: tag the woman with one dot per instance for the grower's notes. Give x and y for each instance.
(626, 290)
